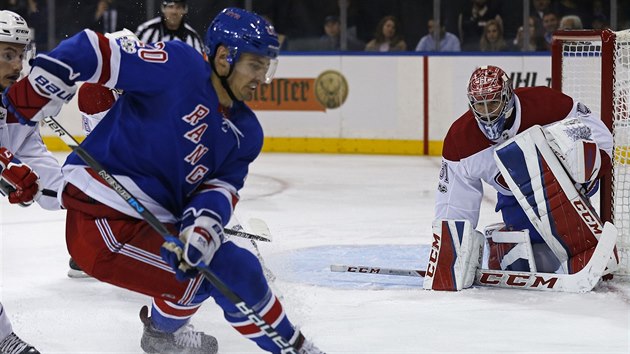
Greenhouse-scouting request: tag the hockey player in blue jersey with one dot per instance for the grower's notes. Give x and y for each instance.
(181, 140)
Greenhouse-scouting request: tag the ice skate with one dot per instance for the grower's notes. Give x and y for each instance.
(183, 341)
(305, 346)
(12, 344)
(75, 271)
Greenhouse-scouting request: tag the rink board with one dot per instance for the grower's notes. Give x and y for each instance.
(383, 104)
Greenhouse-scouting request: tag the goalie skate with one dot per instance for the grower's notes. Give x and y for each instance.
(183, 341)
(12, 344)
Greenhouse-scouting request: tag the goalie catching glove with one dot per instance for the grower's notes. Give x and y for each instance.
(17, 180)
(571, 141)
(42, 93)
(200, 237)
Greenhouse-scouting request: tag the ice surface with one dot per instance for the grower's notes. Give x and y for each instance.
(321, 209)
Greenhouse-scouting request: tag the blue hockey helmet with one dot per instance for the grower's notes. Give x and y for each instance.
(242, 31)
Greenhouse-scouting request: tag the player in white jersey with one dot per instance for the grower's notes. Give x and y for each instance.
(26, 166)
(498, 113)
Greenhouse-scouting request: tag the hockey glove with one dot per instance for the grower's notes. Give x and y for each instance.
(40, 94)
(571, 141)
(17, 180)
(199, 238)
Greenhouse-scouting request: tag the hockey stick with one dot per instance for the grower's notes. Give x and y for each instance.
(580, 282)
(236, 300)
(6, 188)
(377, 270)
(261, 227)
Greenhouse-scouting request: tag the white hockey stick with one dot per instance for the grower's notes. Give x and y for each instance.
(261, 228)
(580, 282)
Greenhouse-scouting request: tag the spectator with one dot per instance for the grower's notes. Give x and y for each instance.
(331, 40)
(572, 7)
(536, 41)
(34, 12)
(492, 39)
(540, 7)
(550, 24)
(448, 41)
(472, 22)
(171, 25)
(571, 22)
(387, 38)
(105, 17)
(600, 22)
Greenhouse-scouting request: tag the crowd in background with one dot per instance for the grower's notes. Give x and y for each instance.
(372, 25)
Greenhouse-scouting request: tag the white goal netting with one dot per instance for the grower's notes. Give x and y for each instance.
(586, 74)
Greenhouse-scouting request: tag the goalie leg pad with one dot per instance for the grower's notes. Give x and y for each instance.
(455, 256)
(562, 216)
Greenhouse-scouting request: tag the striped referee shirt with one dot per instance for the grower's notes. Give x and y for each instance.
(154, 30)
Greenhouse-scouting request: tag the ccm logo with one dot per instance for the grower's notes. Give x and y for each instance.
(517, 280)
(364, 270)
(433, 256)
(51, 89)
(591, 220)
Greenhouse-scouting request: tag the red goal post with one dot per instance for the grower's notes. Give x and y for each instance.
(593, 67)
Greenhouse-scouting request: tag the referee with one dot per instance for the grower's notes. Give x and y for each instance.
(171, 25)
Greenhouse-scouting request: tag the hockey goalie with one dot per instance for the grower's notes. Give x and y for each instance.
(543, 152)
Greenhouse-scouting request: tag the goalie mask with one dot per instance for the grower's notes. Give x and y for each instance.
(491, 99)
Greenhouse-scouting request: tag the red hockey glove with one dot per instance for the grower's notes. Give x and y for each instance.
(17, 180)
(39, 95)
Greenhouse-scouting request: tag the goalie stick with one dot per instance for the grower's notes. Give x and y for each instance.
(580, 282)
(251, 314)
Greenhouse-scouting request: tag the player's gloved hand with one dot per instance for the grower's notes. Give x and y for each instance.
(571, 141)
(200, 237)
(17, 180)
(40, 94)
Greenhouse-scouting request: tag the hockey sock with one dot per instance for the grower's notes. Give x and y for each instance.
(272, 312)
(169, 317)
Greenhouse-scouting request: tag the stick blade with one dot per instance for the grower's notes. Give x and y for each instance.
(259, 227)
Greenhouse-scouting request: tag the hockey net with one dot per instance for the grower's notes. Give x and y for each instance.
(594, 68)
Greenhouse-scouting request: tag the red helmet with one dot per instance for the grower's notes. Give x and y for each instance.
(491, 99)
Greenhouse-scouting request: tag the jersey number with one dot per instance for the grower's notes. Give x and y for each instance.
(154, 53)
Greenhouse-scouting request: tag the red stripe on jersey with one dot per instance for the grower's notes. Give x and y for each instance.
(178, 311)
(209, 187)
(106, 55)
(273, 315)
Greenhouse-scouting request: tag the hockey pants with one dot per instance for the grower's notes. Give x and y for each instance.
(125, 251)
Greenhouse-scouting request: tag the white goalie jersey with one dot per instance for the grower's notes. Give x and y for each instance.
(467, 157)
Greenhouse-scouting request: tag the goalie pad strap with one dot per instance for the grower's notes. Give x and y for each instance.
(454, 257)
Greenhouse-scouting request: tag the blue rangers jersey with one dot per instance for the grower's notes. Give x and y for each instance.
(166, 139)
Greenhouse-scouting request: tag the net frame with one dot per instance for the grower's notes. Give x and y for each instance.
(597, 61)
